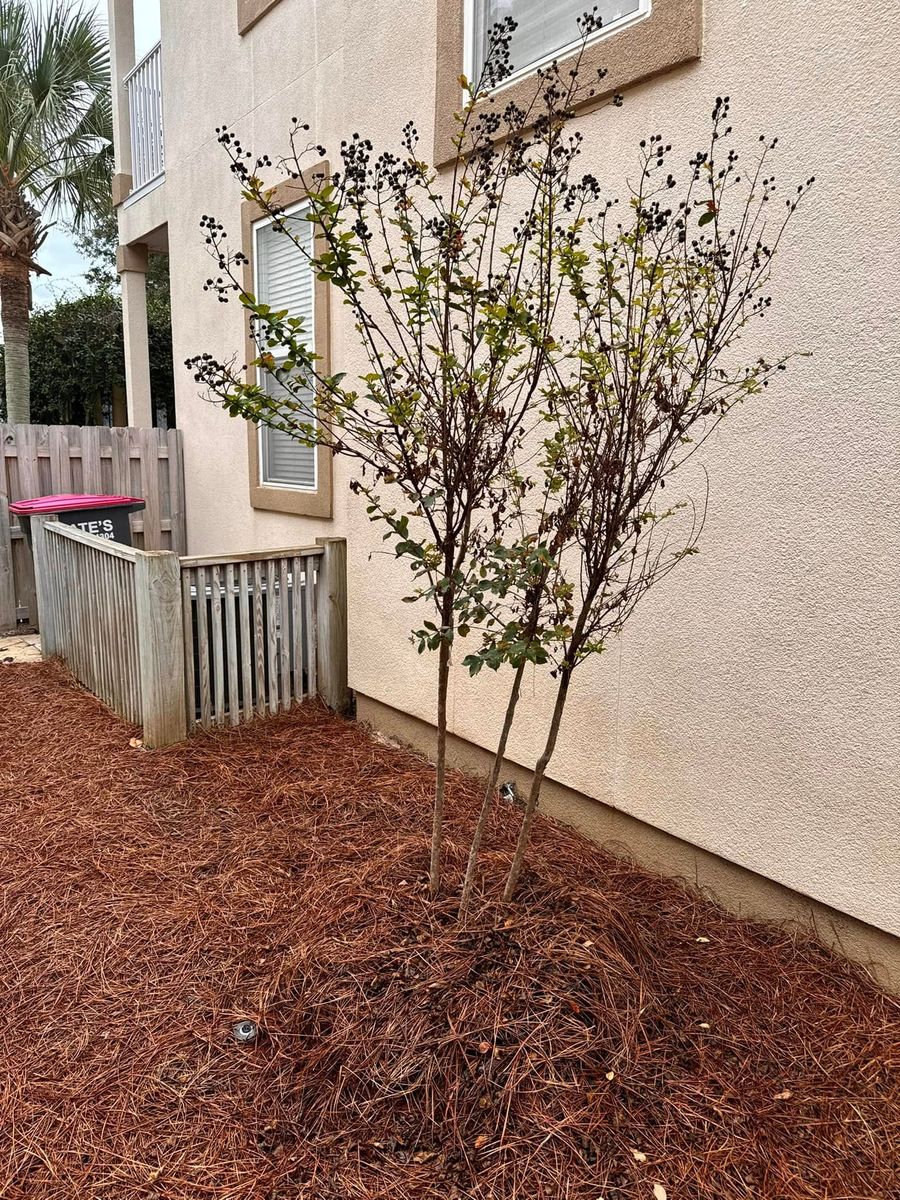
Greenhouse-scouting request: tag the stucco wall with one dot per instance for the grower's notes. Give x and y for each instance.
(752, 707)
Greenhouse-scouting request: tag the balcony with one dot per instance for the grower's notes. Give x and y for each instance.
(144, 86)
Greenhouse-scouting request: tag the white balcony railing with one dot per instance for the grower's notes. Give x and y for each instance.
(144, 85)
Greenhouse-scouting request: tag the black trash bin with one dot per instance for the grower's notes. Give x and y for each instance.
(103, 516)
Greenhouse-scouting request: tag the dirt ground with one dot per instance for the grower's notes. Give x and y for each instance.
(611, 1035)
(20, 648)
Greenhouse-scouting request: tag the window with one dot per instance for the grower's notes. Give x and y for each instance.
(250, 11)
(283, 279)
(544, 31)
(640, 39)
(286, 476)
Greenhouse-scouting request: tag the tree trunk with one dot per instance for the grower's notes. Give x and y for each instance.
(437, 829)
(14, 298)
(487, 802)
(536, 783)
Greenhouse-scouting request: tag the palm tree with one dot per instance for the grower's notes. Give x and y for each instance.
(55, 151)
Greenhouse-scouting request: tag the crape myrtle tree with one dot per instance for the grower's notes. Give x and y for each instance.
(540, 359)
(454, 302)
(659, 295)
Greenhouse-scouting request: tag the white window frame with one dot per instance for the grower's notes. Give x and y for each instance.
(302, 206)
(563, 52)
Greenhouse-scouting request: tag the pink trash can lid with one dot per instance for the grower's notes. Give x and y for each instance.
(69, 502)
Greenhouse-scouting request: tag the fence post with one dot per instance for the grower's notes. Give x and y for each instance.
(158, 604)
(331, 615)
(7, 578)
(43, 586)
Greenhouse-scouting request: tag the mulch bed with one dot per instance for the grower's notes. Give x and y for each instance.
(611, 1035)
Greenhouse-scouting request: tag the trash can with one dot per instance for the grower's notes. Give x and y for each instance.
(103, 516)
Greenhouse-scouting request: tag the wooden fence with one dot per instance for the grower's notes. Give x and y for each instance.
(41, 460)
(172, 643)
(113, 614)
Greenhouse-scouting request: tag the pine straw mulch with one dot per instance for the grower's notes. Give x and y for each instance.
(613, 1035)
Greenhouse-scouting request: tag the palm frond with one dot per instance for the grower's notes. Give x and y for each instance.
(82, 189)
(68, 62)
(55, 106)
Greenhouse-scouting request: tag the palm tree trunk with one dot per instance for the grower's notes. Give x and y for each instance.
(14, 305)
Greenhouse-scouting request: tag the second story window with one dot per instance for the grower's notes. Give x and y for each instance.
(283, 279)
(545, 29)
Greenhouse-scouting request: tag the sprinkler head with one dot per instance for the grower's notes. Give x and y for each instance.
(508, 792)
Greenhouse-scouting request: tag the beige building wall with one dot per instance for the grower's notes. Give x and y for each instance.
(752, 707)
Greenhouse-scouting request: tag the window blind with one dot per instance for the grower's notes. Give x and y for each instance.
(543, 29)
(283, 275)
(284, 280)
(284, 461)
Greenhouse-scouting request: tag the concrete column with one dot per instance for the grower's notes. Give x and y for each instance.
(121, 46)
(132, 265)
